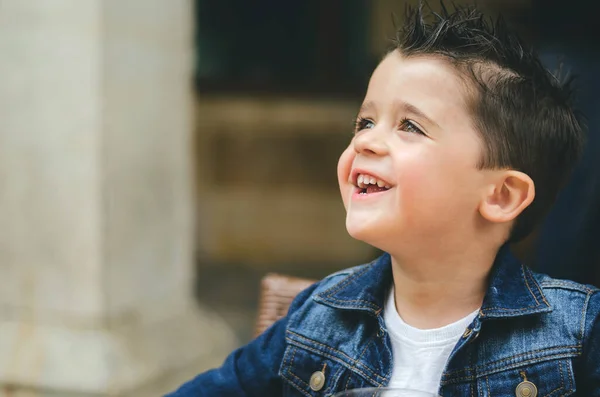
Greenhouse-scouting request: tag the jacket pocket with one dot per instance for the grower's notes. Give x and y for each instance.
(552, 378)
(307, 373)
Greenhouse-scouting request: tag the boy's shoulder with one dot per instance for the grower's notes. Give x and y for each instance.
(569, 297)
(340, 277)
(549, 283)
(341, 290)
(341, 274)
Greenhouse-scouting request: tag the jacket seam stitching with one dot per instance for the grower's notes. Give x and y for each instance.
(352, 367)
(504, 360)
(571, 380)
(371, 341)
(333, 350)
(334, 381)
(360, 355)
(301, 383)
(349, 271)
(355, 369)
(539, 288)
(583, 317)
(369, 305)
(333, 290)
(527, 285)
(347, 383)
(556, 284)
(562, 381)
(342, 284)
(490, 372)
(297, 382)
(510, 310)
(296, 386)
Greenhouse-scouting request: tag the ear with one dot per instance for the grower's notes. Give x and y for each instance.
(509, 194)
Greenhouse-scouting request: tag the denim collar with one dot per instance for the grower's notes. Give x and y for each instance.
(513, 290)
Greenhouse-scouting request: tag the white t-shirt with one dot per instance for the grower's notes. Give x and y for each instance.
(420, 355)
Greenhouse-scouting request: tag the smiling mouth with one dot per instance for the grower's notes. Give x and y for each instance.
(367, 184)
(371, 190)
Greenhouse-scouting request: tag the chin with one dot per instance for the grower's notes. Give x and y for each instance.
(367, 232)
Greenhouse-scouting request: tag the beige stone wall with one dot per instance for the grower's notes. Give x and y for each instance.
(51, 115)
(97, 206)
(146, 151)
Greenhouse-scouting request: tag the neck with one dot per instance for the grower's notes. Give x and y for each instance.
(437, 289)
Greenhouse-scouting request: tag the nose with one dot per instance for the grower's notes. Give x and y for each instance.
(371, 142)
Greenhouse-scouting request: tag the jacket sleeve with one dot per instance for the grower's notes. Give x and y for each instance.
(250, 371)
(590, 377)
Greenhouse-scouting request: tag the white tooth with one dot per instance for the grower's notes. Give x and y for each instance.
(359, 181)
(387, 186)
(373, 181)
(380, 183)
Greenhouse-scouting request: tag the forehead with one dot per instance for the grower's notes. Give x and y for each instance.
(427, 82)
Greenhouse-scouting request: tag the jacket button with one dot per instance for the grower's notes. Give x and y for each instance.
(526, 389)
(317, 381)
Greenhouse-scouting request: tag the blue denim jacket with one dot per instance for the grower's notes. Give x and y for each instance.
(530, 327)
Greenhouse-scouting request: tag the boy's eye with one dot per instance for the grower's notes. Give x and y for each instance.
(409, 126)
(363, 124)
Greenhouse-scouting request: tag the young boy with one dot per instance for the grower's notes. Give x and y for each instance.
(460, 147)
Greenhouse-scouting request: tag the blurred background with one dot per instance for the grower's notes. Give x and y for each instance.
(159, 157)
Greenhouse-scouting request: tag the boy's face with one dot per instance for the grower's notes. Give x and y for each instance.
(414, 135)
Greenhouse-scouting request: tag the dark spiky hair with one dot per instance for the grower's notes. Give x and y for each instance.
(523, 113)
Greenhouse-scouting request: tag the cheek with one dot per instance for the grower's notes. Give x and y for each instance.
(427, 184)
(442, 187)
(415, 188)
(345, 166)
(343, 173)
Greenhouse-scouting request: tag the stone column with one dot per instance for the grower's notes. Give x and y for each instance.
(96, 200)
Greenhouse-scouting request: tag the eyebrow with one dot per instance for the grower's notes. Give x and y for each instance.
(407, 107)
